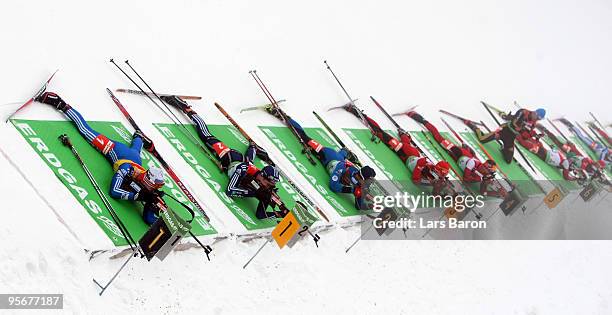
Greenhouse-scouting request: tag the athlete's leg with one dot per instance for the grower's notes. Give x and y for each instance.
(454, 151)
(507, 137)
(112, 150)
(391, 142)
(318, 148)
(136, 144)
(222, 152)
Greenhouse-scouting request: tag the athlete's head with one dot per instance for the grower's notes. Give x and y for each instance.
(442, 168)
(268, 176)
(153, 178)
(362, 174)
(539, 114)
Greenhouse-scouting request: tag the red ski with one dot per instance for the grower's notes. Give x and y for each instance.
(31, 100)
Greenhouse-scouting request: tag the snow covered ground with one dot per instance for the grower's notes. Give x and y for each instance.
(443, 54)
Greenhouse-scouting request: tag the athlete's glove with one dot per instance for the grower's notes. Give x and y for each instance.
(261, 153)
(264, 195)
(150, 196)
(357, 192)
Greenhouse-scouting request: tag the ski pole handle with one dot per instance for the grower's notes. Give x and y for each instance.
(65, 140)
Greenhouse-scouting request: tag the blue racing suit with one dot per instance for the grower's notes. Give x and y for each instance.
(335, 161)
(125, 160)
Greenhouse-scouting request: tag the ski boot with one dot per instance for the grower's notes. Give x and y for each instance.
(177, 102)
(274, 111)
(417, 117)
(566, 122)
(146, 142)
(54, 100)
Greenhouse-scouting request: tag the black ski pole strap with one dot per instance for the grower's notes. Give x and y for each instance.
(184, 206)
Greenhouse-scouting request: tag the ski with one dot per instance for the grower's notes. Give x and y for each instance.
(169, 114)
(282, 173)
(31, 100)
(464, 120)
(496, 109)
(159, 158)
(136, 92)
(602, 141)
(390, 117)
(305, 148)
(597, 120)
(558, 130)
(262, 107)
(342, 106)
(337, 139)
(410, 109)
(599, 133)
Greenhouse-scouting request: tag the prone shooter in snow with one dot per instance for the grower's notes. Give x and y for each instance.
(345, 176)
(603, 152)
(521, 120)
(131, 181)
(424, 172)
(245, 179)
(474, 170)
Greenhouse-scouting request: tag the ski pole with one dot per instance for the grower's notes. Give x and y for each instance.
(305, 148)
(114, 276)
(184, 206)
(207, 249)
(358, 239)
(136, 92)
(257, 252)
(373, 138)
(174, 119)
(557, 129)
(168, 110)
(124, 231)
